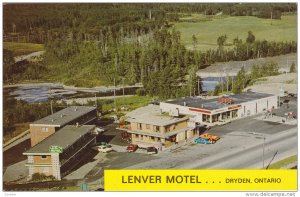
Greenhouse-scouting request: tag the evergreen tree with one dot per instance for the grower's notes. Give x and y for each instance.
(240, 81)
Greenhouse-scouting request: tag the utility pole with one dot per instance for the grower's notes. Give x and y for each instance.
(51, 105)
(232, 83)
(287, 66)
(115, 104)
(244, 79)
(227, 80)
(222, 80)
(123, 94)
(263, 147)
(95, 101)
(198, 87)
(263, 156)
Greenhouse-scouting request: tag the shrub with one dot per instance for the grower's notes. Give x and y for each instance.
(42, 177)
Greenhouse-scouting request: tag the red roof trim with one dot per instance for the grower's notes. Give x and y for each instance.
(200, 110)
(234, 107)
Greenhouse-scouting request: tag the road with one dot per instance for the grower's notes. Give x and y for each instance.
(29, 56)
(278, 146)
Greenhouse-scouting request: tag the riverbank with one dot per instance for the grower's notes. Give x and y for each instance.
(54, 85)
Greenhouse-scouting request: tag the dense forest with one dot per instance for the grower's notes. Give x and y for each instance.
(97, 44)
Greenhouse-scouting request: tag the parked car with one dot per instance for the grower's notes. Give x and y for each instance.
(151, 150)
(132, 148)
(202, 141)
(104, 148)
(212, 138)
(98, 130)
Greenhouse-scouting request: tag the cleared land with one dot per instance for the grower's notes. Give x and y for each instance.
(207, 31)
(231, 68)
(273, 84)
(22, 48)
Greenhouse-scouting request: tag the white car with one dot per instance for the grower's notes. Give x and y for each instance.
(98, 130)
(104, 148)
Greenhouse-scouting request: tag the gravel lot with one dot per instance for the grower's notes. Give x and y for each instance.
(273, 84)
(232, 67)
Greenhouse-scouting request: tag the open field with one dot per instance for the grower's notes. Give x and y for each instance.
(207, 31)
(22, 48)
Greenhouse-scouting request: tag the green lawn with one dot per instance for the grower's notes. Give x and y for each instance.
(132, 102)
(284, 162)
(208, 31)
(22, 48)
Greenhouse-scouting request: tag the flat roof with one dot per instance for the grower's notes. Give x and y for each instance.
(64, 116)
(212, 104)
(151, 114)
(63, 138)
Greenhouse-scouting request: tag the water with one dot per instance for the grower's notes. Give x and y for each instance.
(36, 93)
(209, 83)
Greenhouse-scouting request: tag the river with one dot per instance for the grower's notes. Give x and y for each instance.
(41, 92)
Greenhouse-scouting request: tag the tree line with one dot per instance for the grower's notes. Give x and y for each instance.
(38, 18)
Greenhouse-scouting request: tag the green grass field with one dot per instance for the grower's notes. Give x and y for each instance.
(22, 48)
(207, 32)
(283, 163)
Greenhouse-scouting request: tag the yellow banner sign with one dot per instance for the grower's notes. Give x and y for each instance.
(200, 180)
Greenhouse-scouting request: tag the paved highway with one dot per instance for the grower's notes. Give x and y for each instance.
(277, 147)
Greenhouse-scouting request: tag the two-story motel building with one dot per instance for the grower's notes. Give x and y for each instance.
(73, 142)
(148, 126)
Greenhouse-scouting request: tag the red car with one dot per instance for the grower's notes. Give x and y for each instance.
(132, 148)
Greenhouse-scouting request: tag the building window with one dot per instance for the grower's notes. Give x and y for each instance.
(136, 135)
(45, 129)
(147, 126)
(205, 118)
(44, 157)
(152, 138)
(141, 137)
(139, 126)
(167, 128)
(156, 128)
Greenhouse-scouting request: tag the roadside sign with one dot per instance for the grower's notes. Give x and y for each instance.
(56, 149)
